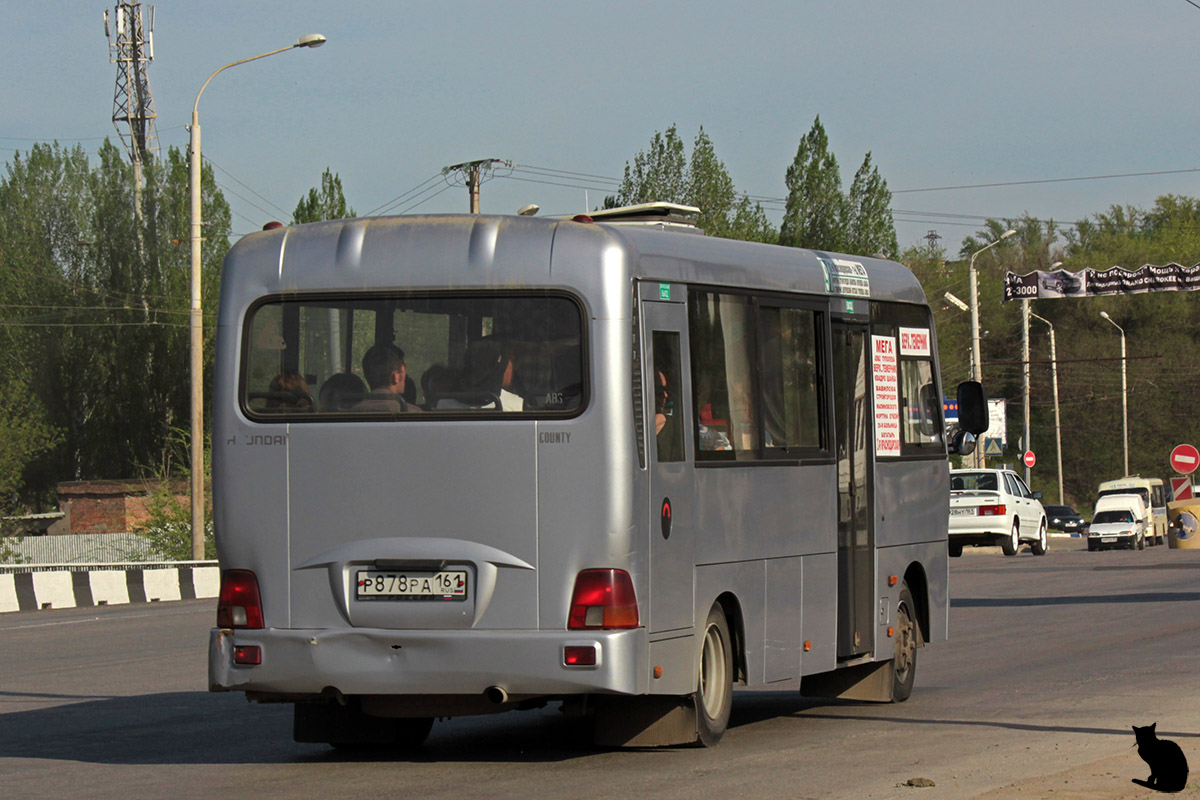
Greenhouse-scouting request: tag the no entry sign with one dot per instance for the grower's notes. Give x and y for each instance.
(1185, 458)
(1029, 458)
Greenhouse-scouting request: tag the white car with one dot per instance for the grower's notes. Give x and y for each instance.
(994, 506)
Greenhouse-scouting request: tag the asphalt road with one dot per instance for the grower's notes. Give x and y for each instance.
(1051, 659)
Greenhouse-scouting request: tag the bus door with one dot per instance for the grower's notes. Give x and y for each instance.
(667, 383)
(855, 556)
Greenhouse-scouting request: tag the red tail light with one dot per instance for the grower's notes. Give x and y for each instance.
(240, 605)
(992, 511)
(603, 598)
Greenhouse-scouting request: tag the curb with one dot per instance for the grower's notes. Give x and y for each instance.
(35, 591)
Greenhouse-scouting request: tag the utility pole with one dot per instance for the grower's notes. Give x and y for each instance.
(132, 50)
(473, 173)
(1028, 445)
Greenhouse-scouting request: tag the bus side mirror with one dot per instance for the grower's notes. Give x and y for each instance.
(972, 408)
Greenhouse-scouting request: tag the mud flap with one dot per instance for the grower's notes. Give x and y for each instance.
(644, 721)
(872, 681)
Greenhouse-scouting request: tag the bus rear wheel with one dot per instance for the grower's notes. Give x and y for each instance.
(714, 690)
(904, 661)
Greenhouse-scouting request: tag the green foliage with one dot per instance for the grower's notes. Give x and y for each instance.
(24, 435)
(168, 526)
(815, 212)
(95, 298)
(323, 204)
(665, 173)
(818, 215)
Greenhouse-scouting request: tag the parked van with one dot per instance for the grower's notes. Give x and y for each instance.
(1153, 494)
(1120, 520)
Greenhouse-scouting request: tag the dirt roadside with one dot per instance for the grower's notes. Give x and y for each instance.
(1107, 779)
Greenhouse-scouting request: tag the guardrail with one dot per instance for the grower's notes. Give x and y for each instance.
(32, 587)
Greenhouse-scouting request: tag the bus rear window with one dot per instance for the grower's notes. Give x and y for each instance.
(397, 357)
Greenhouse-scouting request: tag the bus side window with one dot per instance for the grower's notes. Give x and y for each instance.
(668, 416)
(723, 391)
(789, 377)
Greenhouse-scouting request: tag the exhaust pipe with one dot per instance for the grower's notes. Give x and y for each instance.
(496, 695)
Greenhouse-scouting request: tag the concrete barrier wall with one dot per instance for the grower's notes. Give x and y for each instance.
(81, 588)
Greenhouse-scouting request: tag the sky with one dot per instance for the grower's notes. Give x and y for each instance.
(970, 110)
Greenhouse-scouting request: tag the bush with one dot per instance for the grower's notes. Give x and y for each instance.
(168, 526)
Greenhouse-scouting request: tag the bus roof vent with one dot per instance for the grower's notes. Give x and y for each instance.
(666, 215)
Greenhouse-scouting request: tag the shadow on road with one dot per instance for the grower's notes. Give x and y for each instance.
(202, 728)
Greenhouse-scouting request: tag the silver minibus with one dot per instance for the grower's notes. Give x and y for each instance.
(467, 464)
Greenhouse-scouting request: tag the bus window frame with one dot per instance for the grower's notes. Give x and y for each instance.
(887, 318)
(292, 301)
(761, 455)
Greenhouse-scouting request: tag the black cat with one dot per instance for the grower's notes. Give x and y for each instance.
(1168, 765)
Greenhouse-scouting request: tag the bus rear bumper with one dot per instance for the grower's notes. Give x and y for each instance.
(415, 662)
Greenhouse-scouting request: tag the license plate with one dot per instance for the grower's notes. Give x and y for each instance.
(1108, 540)
(962, 512)
(390, 585)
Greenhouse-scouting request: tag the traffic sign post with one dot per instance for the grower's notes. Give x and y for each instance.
(1029, 459)
(1185, 458)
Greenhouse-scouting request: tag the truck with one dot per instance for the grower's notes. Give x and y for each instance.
(995, 507)
(1154, 496)
(1119, 520)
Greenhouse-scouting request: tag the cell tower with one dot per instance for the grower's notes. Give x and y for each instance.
(133, 106)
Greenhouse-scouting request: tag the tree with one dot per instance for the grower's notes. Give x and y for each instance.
(327, 203)
(870, 228)
(815, 210)
(657, 174)
(819, 216)
(96, 306)
(666, 173)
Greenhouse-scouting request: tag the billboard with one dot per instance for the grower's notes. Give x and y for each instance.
(1088, 282)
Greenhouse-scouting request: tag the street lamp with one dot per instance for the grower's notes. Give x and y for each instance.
(196, 319)
(1026, 312)
(1124, 392)
(977, 362)
(1057, 420)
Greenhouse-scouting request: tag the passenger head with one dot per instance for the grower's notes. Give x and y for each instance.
(340, 391)
(383, 366)
(488, 365)
(288, 389)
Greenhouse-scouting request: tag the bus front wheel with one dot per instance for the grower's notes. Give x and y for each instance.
(714, 690)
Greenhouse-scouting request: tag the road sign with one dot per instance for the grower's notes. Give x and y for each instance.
(1185, 458)
(1029, 458)
(1181, 489)
(991, 447)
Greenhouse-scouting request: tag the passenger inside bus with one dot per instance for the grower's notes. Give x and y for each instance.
(341, 391)
(288, 391)
(490, 368)
(387, 378)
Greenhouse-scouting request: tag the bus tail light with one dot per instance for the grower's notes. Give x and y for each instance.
(992, 511)
(603, 599)
(240, 605)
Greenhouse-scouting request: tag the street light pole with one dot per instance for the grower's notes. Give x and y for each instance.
(1026, 313)
(1124, 392)
(976, 361)
(1057, 419)
(196, 317)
